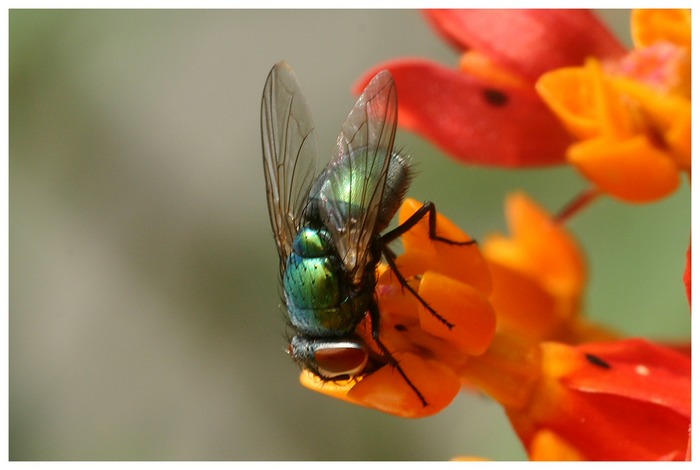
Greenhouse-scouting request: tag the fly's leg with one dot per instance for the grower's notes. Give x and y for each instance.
(389, 256)
(427, 209)
(374, 317)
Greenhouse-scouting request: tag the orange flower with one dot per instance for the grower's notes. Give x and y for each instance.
(539, 274)
(632, 116)
(454, 280)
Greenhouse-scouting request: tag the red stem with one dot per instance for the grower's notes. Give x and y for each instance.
(580, 202)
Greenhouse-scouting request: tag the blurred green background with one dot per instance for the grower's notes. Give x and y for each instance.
(144, 308)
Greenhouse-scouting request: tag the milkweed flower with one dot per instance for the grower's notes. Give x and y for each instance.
(569, 386)
(486, 110)
(572, 389)
(631, 116)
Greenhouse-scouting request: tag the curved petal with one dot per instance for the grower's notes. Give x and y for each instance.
(528, 42)
(462, 305)
(386, 391)
(470, 119)
(632, 170)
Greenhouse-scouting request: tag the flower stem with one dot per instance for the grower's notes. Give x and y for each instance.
(580, 202)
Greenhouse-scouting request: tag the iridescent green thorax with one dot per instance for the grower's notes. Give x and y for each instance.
(344, 186)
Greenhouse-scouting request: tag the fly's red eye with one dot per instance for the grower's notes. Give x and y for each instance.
(333, 362)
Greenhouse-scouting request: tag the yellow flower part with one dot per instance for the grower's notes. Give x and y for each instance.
(633, 118)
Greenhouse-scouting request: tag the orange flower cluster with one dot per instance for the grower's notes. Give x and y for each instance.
(572, 389)
(632, 116)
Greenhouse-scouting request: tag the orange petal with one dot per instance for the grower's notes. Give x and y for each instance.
(464, 263)
(463, 306)
(633, 170)
(506, 372)
(660, 116)
(650, 26)
(569, 94)
(586, 101)
(540, 248)
(523, 307)
(386, 390)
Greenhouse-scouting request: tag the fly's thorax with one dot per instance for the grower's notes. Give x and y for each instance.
(320, 299)
(341, 186)
(330, 358)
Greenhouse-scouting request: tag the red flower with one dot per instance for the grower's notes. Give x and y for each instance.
(624, 400)
(488, 112)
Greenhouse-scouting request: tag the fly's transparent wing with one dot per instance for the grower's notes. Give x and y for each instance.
(290, 153)
(357, 175)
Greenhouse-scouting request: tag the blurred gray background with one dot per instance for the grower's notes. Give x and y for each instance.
(144, 318)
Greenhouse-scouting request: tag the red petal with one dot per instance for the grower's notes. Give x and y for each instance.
(472, 121)
(528, 42)
(638, 370)
(608, 427)
(624, 400)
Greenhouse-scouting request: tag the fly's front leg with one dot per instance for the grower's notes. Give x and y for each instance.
(374, 318)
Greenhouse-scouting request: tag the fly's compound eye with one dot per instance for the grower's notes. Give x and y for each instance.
(330, 359)
(334, 361)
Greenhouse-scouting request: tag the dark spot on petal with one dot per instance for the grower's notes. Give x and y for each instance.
(399, 327)
(495, 97)
(596, 361)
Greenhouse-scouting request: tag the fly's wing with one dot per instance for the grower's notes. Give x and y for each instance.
(290, 154)
(356, 176)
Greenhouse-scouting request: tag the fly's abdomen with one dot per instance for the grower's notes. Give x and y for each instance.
(313, 287)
